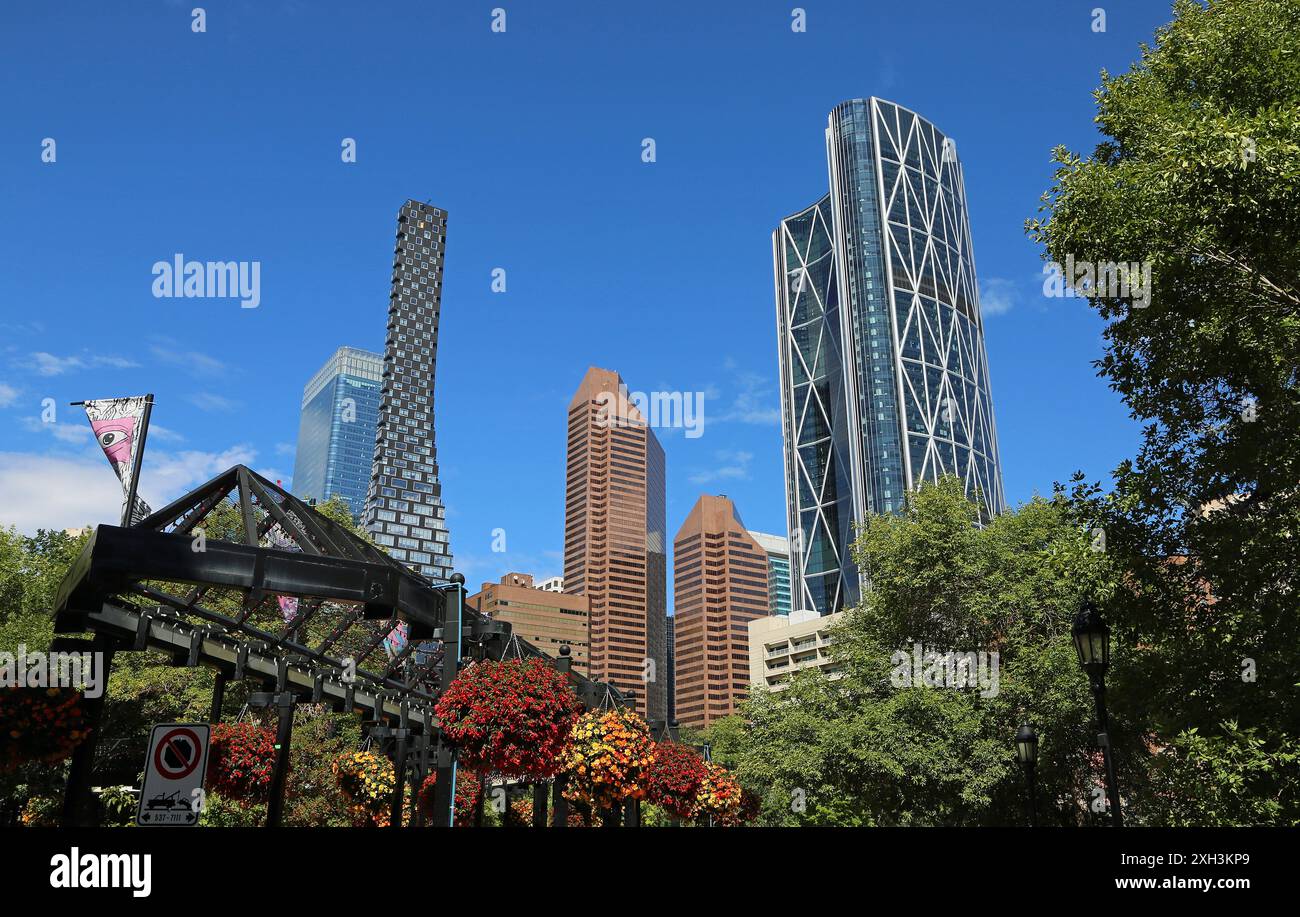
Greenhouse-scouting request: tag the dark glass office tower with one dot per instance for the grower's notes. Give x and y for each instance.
(884, 378)
(404, 508)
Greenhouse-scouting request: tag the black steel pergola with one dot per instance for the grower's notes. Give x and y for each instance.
(201, 580)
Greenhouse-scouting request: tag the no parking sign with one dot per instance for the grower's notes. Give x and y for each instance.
(172, 793)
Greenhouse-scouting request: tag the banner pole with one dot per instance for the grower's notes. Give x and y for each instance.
(129, 510)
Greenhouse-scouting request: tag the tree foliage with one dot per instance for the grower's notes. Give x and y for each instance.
(859, 746)
(1198, 174)
(856, 748)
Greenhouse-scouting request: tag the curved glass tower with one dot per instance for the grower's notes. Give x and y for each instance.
(884, 379)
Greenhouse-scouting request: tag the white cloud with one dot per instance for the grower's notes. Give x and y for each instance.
(8, 395)
(78, 431)
(200, 364)
(47, 492)
(206, 401)
(997, 295)
(63, 432)
(56, 492)
(732, 466)
(164, 434)
(284, 449)
(47, 364)
(166, 476)
(275, 474)
(756, 402)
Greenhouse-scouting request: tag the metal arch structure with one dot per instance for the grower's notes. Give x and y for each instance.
(349, 596)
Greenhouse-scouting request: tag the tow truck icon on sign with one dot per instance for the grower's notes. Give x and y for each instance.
(173, 778)
(168, 801)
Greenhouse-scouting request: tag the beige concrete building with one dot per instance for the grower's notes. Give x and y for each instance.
(545, 619)
(615, 540)
(781, 645)
(719, 586)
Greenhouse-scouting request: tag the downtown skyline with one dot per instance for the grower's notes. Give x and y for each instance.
(727, 415)
(509, 360)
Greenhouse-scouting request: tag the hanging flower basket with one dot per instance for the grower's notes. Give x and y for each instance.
(745, 813)
(468, 787)
(673, 781)
(511, 717)
(241, 759)
(609, 753)
(367, 782)
(39, 725)
(519, 814)
(719, 795)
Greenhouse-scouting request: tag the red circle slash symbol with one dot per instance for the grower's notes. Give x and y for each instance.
(177, 754)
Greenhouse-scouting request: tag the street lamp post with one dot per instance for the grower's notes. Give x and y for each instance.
(1092, 643)
(1027, 755)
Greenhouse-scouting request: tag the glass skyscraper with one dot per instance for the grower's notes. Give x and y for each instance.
(884, 378)
(777, 549)
(404, 508)
(336, 432)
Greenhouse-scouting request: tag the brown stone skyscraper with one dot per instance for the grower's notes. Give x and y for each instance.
(615, 538)
(719, 586)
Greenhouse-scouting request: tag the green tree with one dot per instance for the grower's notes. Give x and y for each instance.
(1198, 176)
(31, 568)
(859, 747)
(1227, 779)
(337, 510)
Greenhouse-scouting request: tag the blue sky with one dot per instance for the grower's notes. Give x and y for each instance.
(226, 145)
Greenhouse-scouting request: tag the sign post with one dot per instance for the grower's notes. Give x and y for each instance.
(174, 768)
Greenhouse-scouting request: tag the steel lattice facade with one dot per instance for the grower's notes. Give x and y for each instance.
(884, 377)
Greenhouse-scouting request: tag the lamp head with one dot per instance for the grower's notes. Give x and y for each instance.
(1027, 746)
(1091, 640)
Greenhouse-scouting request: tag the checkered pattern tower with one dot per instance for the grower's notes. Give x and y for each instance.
(404, 509)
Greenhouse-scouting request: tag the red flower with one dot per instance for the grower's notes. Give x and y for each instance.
(511, 717)
(240, 761)
(39, 725)
(468, 788)
(673, 779)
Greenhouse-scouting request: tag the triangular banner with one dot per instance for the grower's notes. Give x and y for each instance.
(118, 424)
